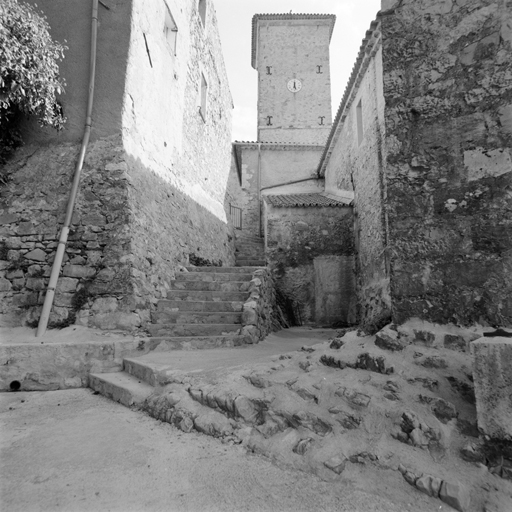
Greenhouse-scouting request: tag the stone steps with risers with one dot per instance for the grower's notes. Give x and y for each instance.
(213, 276)
(248, 238)
(203, 310)
(193, 329)
(255, 263)
(223, 286)
(171, 343)
(196, 317)
(199, 305)
(224, 270)
(215, 295)
(249, 252)
(121, 387)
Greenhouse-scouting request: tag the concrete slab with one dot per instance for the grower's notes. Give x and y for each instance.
(492, 373)
(277, 343)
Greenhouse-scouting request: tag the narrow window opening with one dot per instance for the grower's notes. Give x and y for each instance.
(359, 122)
(204, 94)
(170, 31)
(201, 6)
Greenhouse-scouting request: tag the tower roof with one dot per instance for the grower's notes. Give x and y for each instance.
(331, 18)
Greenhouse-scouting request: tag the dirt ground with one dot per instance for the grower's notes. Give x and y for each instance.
(75, 451)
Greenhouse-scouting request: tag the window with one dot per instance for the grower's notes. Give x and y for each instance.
(204, 94)
(170, 31)
(201, 6)
(359, 122)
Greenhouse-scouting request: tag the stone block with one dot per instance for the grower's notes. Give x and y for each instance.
(5, 285)
(336, 464)
(8, 218)
(36, 283)
(105, 305)
(115, 320)
(455, 495)
(67, 284)
(492, 373)
(36, 255)
(429, 485)
(78, 271)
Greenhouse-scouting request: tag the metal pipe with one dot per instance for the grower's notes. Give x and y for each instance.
(59, 256)
(259, 188)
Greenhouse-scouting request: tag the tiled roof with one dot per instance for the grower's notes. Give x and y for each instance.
(279, 145)
(305, 200)
(285, 16)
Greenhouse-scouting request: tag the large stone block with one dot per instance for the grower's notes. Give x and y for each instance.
(492, 372)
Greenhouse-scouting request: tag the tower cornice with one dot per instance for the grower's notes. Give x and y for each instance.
(329, 18)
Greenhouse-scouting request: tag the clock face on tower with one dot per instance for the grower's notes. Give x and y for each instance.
(294, 85)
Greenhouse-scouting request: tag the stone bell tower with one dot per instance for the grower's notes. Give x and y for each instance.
(291, 54)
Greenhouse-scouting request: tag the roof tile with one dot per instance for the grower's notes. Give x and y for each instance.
(305, 200)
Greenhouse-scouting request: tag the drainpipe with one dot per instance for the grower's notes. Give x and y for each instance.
(259, 188)
(57, 263)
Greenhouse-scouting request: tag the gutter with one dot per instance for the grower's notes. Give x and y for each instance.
(59, 256)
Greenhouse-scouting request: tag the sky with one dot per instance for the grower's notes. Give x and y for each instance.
(353, 18)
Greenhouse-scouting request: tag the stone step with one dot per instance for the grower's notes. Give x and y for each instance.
(212, 276)
(249, 243)
(216, 296)
(193, 329)
(200, 305)
(121, 387)
(232, 270)
(250, 255)
(199, 285)
(171, 343)
(140, 371)
(248, 238)
(195, 317)
(253, 263)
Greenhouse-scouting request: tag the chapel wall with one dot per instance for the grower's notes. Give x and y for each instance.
(356, 164)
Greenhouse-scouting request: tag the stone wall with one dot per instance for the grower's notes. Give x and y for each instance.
(448, 94)
(150, 196)
(356, 163)
(295, 238)
(33, 206)
(260, 316)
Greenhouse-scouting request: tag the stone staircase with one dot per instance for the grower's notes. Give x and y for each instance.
(203, 310)
(250, 251)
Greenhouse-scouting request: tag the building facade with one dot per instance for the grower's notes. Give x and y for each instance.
(154, 188)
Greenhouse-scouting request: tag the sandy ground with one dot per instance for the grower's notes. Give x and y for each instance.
(75, 451)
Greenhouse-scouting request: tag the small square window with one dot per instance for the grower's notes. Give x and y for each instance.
(201, 7)
(204, 96)
(170, 31)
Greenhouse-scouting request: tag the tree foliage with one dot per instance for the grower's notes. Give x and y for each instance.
(29, 71)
